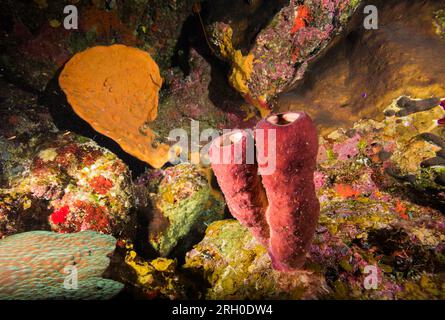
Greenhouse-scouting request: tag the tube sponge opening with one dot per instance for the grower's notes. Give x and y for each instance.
(283, 119)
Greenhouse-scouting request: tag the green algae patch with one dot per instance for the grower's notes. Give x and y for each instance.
(237, 267)
(183, 204)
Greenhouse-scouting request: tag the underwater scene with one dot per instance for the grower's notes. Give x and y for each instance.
(222, 150)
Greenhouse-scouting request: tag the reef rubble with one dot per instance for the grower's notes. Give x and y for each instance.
(155, 229)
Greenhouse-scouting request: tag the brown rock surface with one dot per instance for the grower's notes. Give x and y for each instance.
(364, 71)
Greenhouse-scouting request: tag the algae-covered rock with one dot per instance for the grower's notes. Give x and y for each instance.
(46, 265)
(56, 180)
(280, 52)
(352, 236)
(439, 22)
(25, 122)
(406, 149)
(372, 184)
(182, 205)
(86, 187)
(20, 212)
(366, 222)
(155, 278)
(238, 267)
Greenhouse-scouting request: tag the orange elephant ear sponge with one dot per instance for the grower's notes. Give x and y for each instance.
(115, 89)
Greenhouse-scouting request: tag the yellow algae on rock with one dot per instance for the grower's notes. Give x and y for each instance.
(42, 4)
(155, 277)
(48, 154)
(242, 67)
(412, 149)
(142, 268)
(54, 23)
(238, 267)
(164, 264)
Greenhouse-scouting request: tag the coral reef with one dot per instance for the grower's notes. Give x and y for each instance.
(86, 187)
(368, 218)
(182, 204)
(45, 171)
(407, 254)
(96, 83)
(153, 27)
(39, 264)
(380, 182)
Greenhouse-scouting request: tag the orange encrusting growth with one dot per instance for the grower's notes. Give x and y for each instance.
(401, 210)
(346, 191)
(115, 89)
(302, 16)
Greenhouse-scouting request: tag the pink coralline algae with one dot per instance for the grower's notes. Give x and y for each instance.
(347, 149)
(319, 180)
(281, 205)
